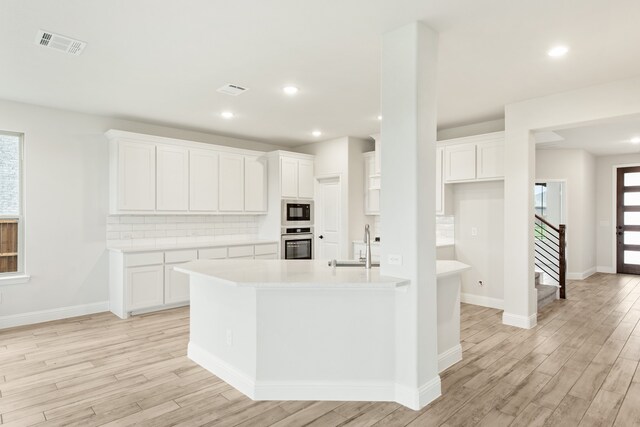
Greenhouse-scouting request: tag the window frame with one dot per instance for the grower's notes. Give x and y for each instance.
(20, 276)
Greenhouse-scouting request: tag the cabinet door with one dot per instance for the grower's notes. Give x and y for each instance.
(136, 176)
(231, 189)
(289, 177)
(203, 180)
(372, 195)
(145, 287)
(305, 179)
(172, 178)
(460, 162)
(176, 285)
(439, 181)
(255, 184)
(490, 159)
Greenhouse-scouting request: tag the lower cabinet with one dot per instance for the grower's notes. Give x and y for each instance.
(144, 287)
(148, 281)
(176, 285)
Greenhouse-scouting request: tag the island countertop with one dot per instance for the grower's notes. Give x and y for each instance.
(289, 273)
(300, 273)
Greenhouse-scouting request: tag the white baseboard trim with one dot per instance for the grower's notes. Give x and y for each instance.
(417, 399)
(239, 380)
(33, 317)
(608, 270)
(582, 275)
(301, 390)
(482, 300)
(449, 358)
(520, 321)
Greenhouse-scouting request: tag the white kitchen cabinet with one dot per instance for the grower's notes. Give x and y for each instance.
(176, 285)
(378, 156)
(296, 178)
(133, 168)
(474, 158)
(145, 287)
(371, 185)
(172, 178)
(145, 281)
(203, 180)
(255, 184)
(460, 162)
(289, 177)
(305, 179)
(490, 159)
(231, 189)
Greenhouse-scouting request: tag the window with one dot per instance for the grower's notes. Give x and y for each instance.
(11, 215)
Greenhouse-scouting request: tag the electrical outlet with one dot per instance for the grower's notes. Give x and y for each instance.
(474, 231)
(480, 283)
(395, 259)
(229, 338)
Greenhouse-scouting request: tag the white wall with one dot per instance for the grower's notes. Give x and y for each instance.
(66, 198)
(480, 205)
(472, 129)
(343, 157)
(577, 168)
(605, 207)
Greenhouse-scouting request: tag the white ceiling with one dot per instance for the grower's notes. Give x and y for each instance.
(160, 61)
(602, 139)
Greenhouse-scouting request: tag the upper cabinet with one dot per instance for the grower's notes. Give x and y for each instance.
(231, 183)
(160, 175)
(371, 185)
(134, 166)
(255, 184)
(203, 180)
(296, 177)
(475, 158)
(172, 178)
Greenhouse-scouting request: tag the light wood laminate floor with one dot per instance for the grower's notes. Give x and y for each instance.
(577, 367)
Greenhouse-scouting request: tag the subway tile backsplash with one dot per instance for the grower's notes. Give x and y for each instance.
(125, 230)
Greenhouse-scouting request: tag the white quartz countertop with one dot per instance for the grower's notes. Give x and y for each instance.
(195, 245)
(450, 267)
(289, 273)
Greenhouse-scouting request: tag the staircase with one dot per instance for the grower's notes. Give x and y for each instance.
(550, 261)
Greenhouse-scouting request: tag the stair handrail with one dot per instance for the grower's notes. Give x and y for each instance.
(562, 256)
(547, 223)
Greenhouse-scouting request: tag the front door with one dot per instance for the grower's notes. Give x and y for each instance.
(328, 219)
(628, 220)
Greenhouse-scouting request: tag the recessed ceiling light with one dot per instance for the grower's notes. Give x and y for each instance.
(635, 140)
(379, 117)
(290, 90)
(316, 133)
(558, 51)
(227, 115)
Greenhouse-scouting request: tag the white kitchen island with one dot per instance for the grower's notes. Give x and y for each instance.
(297, 330)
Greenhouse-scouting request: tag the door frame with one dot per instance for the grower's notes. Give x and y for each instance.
(614, 213)
(320, 180)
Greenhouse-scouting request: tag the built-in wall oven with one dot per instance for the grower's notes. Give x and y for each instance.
(297, 243)
(297, 213)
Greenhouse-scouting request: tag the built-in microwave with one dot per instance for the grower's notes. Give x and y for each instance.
(297, 212)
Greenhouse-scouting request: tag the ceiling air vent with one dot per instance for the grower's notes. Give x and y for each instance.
(233, 90)
(60, 43)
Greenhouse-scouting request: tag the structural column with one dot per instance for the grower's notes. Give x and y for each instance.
(520, 303)
(407, 205)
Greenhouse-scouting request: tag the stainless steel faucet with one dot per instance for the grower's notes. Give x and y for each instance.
(367, 242)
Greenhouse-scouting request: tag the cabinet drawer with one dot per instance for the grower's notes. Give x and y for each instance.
(146, 258)
(266, 249)
(240, 251)
(180, 256)
(267, 256)
(212, 253)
